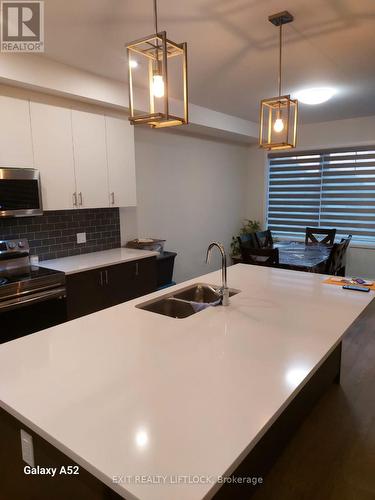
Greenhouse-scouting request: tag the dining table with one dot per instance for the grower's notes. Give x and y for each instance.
(299, 256)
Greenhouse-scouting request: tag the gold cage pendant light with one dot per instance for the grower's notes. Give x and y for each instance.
(153, 61)
(278, 115)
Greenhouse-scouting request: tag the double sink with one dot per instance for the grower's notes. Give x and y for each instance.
(187, 301)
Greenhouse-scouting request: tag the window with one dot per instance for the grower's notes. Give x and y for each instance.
(323, 189)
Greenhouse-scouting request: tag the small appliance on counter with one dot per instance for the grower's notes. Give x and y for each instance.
(164, 261)
(32, 298)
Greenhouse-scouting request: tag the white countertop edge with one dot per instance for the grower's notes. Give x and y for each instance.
(58, 264)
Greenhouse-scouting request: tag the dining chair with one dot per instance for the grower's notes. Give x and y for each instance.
(328, 235)
(264, 239)
(248, 240)
(336, 261)
(260, 256)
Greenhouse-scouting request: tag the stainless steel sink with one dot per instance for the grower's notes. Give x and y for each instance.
(169, 307)
(179, 304)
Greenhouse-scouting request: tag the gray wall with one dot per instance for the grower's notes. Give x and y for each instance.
(190, 192)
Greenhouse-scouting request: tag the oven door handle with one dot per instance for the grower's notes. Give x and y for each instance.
(56, 293)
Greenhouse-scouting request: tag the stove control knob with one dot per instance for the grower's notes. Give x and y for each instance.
(21, 244)
(11, 245)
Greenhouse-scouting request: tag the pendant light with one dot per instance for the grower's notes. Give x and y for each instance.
(278, 115)
(149, 61)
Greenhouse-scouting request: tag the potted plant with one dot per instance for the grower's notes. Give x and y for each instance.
(248, 226)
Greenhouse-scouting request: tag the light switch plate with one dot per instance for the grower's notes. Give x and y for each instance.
(27, 448)
(81, 237)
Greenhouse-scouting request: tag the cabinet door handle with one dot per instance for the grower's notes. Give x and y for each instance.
(74, 199)
(106, 277)
(80, 198)
(136, 269)
(113, 198)
(101, 278)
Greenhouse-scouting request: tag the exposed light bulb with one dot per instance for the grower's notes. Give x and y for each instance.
(158, 86)
(278, 125)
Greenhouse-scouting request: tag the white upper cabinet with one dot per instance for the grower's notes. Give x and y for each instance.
(53, 152)
(121, 162)
(86, 160)
(15, 134)
(90, 158)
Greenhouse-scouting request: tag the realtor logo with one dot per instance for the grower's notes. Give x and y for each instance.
(22, 26)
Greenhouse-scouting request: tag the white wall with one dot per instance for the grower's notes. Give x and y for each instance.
(190, 191)
(340, 133)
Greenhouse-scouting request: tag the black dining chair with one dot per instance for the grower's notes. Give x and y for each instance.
(260, 256)
(247, 240)
(336, 261)
(327, 235)
(264, 239)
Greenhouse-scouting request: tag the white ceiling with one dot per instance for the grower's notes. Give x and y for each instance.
(232, 48)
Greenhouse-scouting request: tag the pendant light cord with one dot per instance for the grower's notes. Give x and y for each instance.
(280, 55)
(156, 16)
(156, 32)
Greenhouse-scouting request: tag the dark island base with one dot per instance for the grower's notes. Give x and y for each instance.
(14, 484)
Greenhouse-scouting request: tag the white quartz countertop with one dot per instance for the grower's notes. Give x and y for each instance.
(126, 392)
(94, 260)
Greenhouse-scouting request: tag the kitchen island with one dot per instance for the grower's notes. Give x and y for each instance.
(126, 392)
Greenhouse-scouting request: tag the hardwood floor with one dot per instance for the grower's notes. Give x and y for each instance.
(332, 454)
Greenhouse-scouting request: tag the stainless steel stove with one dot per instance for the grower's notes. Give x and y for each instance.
(38, 291)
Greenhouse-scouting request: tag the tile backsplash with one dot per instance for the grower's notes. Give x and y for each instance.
(54, 234)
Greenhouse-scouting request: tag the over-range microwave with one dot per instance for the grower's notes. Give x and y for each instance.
(20, 193)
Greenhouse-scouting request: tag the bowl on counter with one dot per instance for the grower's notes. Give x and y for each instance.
(151, 244)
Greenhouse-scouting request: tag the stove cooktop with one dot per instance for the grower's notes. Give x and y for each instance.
(22, 281)
(24, 274)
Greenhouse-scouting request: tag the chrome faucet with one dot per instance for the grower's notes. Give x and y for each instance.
(224, 291)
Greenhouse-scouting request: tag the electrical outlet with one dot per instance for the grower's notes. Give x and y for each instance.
(27, 448)
(81, 237)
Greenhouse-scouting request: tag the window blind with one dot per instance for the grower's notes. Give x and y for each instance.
(332, 189)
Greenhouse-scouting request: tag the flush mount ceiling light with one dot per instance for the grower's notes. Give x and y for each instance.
(158, 59)
(316, 95)
(278, 115)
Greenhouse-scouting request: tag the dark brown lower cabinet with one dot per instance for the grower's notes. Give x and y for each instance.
(91, 291)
